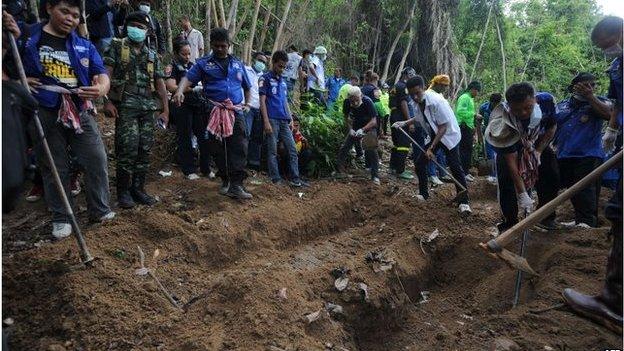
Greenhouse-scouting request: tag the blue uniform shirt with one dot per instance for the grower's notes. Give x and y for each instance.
(615, 85)
(333, 85)
(275, 90)
(220, 83)
(84, 58)
(579, 130)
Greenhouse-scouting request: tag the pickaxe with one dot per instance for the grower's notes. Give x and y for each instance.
(496, 247)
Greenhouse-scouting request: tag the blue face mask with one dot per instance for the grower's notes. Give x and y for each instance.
(259, 66)
(137, 35)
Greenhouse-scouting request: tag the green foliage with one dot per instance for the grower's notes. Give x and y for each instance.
(325, 132)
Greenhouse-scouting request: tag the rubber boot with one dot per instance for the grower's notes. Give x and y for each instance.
(138, 191)
(124, 199)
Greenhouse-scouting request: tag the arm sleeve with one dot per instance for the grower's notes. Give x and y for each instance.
(96, 65)
(194, 74)
(464, 110)
(245, 83)
(262, 86)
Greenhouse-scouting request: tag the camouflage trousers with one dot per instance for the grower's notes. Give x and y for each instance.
(134, 137)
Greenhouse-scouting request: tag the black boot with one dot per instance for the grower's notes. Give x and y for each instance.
(138, 190)
(237, 191)
(124, 199)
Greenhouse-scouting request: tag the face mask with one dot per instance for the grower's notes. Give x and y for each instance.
(137, 35)
(613, 51)
(322, 57)
(259, 66)
(145, 8)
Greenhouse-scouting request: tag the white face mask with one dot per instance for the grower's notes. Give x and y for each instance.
(145, 8)
(613, 51)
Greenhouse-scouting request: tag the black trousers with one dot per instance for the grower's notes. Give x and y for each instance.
(506, 194)
(547, 185)
(421, 163)
(465, 147)
(231, 153)
(612, 291)
(192, 120)
(585, 202)
(401, 144)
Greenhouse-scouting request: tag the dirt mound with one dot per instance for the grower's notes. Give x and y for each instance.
(261, 275)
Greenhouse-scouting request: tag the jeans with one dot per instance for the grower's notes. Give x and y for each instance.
(192, 120)
(465, 147)
(281, 133)
(452, 157)
(547, 185)
(585, 202)
(371, 156)
(230, 154)
(434, 170)
(401, 144)
(90, 154)
(255, 134)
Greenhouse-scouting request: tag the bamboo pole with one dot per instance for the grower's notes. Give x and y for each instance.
(280, 29)
(221, 8)
(384, 75)
(265, 28)
(500, 40)
(252, 31)
(207, 23)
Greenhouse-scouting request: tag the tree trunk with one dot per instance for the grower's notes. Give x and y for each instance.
(487, 24)
(405, 54)
(252, 31)
(208, 19)
(502, 48)
(528, 59)
(436, 54)
(34, 9)
(384, 75)
(265, 28)
(239, 24)
(231, 18)
(168, 24)
(222, 20)
(215, 13)
(376, 45)
(280, 29)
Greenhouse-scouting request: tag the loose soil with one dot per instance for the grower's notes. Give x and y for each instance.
(246, 275)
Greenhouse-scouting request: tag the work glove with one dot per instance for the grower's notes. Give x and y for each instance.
(352, 132)
(359, 133)
(399, 124)
(608, 139)
(525, 203)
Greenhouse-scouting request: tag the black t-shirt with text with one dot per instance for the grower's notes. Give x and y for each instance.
(55, 60)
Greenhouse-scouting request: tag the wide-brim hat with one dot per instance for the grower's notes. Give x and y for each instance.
(500, 132)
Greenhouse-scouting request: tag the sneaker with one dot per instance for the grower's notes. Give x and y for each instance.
(61, 230)
(35, 194)
(420, 198)
(435, 181)
(470, 178)
(376, 181)
(407, 175)
(108, 217)
(225, 187)
(238, 192)
(464, 209)
(491, 180)
(548, 225)
(298, 183)
(192, 176)
(75, 186)
(583, 225)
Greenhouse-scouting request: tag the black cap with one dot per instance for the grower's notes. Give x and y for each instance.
(409, 71)
(139, 17)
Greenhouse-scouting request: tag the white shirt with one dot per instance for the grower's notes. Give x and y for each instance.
(196, 41)
(291, 71)
(438, 112)
(254, 97)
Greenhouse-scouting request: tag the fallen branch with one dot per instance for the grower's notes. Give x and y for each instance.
(143, 270)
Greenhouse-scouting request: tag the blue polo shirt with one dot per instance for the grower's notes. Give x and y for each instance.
(333, 85)
(579, 130)
(220, 83)
(615, 86)
(84, 57)
(275, 90)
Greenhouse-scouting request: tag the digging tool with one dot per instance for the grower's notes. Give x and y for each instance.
(82, 245)
(525, 238)
(434, 161)
(496, 247)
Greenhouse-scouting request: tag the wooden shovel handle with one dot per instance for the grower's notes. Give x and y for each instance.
(543, 212)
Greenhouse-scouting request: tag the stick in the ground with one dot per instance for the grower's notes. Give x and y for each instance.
(151, 274)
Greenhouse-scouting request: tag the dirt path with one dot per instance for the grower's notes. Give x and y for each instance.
(246, 275)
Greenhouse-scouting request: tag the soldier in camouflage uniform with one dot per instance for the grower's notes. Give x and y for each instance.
(137, 92)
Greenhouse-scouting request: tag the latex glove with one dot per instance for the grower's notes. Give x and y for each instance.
(359, 133)
(198, 89)
(608, 139)
(352, 132)
(525, 203)
(399, 124)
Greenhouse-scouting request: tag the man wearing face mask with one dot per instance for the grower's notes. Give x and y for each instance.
(253, 119)
(361, 117)
(156, 36)
(579, 122)
(316, 80)
(435, 116)
(606, 307)
(137, 92)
